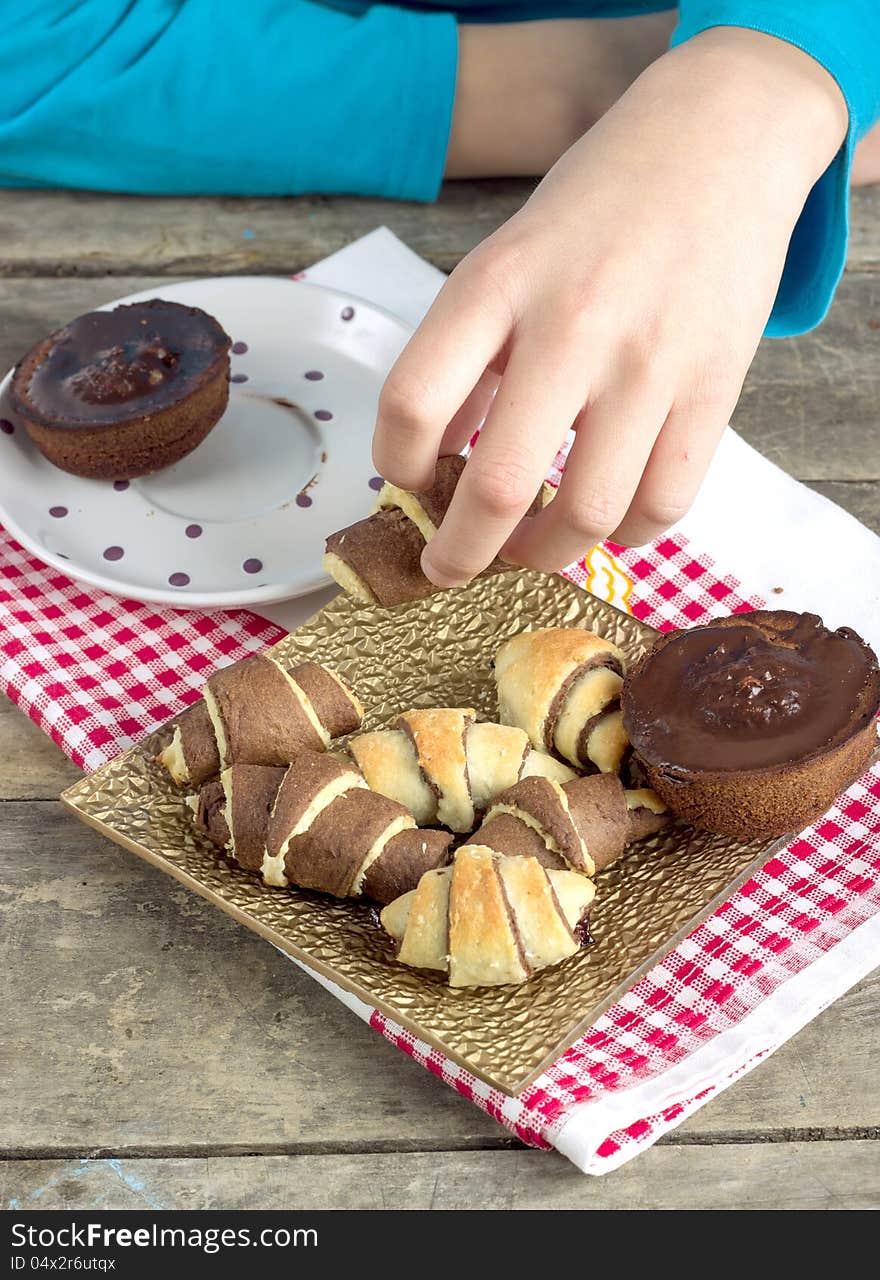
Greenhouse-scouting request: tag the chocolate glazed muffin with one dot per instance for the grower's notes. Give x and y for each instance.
(752, 724)
(117, 394)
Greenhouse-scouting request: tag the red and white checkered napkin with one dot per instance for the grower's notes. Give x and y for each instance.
(96, 673)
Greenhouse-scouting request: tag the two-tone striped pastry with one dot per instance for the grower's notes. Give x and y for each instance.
(317, 825)
(378, 559)
(517, 896)
(257, 712)
(488, 920)
(445, 767)
(562, 686)
(583, 825)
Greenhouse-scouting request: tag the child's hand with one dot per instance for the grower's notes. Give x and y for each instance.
(625, 299)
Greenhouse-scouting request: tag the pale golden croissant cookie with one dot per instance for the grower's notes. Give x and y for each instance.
(562, 686)
(316, 824)
(378, 560)
(257, 712)
(488, 920)
(446, 768)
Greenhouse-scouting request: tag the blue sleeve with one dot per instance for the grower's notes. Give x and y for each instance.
(844, 36)
(256, 97)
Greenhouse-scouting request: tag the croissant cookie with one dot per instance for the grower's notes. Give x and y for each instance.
(257, 712)
(378, 560)
(584, 825)
(562, 686)
(488, 919)
(317, 825)
(445, 768)
(515, 895)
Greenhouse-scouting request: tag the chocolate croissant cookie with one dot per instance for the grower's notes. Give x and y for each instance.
(317, 825)
(378, 560)
(752, 724)
(257, 712)
(562, 686)
(121, 393)
(584, 825)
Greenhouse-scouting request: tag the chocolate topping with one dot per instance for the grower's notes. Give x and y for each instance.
(754, 690)
(107, 366)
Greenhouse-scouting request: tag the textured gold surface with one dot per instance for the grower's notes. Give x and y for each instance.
(437, 652)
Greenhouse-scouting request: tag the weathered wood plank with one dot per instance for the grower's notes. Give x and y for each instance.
(31, 766)
(83, 234)
(80, 233)
(135, 1014)
(861, 500)
(803, 1175)
(139, 1020)
(810, 403)
(864, 230)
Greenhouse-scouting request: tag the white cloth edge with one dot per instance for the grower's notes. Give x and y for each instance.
(722, 1060)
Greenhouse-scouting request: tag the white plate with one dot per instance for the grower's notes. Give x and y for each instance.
(242, 519)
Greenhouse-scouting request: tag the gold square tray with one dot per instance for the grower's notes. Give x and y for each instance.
(438, 652)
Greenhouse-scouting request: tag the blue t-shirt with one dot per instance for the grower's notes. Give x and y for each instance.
(281, 97)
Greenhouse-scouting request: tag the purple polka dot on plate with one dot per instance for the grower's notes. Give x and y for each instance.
(239, 377)
(323, 415)
(6, 427)
(303, 500)
(347, 313)
(121, 485)
(239, 348)
(113, 553)
(179, 579)
(314, 375)
(253, 566)
(376, 483)
(193, 530)
(58, 513)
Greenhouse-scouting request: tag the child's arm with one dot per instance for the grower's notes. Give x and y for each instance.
(627, 299)
(243, 97)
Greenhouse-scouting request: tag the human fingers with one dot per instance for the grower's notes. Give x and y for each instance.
(436, 373)
(673, 475)
(533, 409)
(614, 438)
(471, 415)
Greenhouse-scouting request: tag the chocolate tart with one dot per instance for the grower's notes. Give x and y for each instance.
(752, 724)
(117, 394)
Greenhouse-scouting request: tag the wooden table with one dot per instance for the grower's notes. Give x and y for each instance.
(161, 1056)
